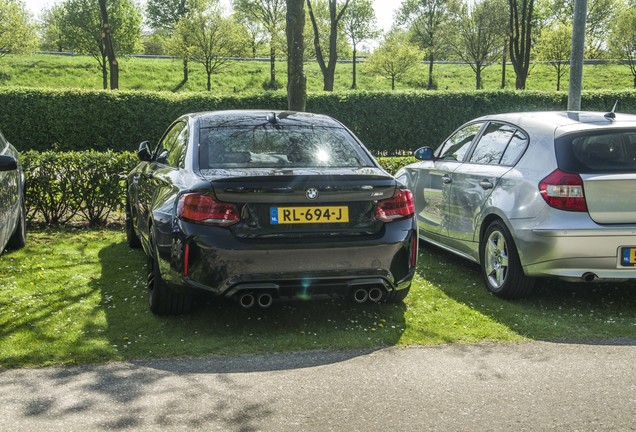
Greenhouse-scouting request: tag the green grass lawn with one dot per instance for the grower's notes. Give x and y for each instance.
(248, 76)
(78, 296)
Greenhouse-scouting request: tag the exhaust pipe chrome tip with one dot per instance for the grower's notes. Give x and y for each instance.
(247, 300)
(265, 300)
(360, 295)
(588, 276)
(375, 294)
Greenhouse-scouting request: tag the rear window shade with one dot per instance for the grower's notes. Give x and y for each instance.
(598, 152)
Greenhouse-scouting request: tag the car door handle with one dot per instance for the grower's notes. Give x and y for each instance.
(486, 184)
(447, 180)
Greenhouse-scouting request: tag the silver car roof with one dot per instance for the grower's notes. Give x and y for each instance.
(559, 123)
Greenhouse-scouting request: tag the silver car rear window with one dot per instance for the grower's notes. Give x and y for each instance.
(613, 151)
(267, 146)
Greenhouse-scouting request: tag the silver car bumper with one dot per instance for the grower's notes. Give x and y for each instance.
(587, 254)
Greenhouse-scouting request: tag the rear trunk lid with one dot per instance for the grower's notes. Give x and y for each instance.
(610, 197)
(307, 202)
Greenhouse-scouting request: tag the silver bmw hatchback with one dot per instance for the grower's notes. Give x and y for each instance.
(537, 194)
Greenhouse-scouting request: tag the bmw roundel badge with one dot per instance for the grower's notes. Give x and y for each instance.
(311, 194)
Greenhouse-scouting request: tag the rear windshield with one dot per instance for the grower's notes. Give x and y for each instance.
(271, 146)
(598, 152)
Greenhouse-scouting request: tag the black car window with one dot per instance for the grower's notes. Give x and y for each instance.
(176, 156)
(272, 146)
(607, 151)
(456, 147)
(516, 147)
(167, 142)
(492, 144)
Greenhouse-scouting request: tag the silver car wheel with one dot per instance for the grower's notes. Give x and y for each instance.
(496, 259)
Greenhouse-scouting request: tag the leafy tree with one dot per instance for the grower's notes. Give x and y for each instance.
(210, 38)
(328, 68)
(52, 38)
(395, 56)
(165, 14)
(256, 34)
(17, 33)
(359, 24)
(296, 78)
(81, 26)
(520, 26)
(622, 38)
(480, 34)
(427, 21)
(555, 47)
(271, 14)
(600, 15)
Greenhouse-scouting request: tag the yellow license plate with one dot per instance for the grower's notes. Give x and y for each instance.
(629, 256)
(308, 215)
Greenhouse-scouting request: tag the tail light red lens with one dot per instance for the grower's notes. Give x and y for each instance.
(399, 207)
(563, 191)
(203, 208)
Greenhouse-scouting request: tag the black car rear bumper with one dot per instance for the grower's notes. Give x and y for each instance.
(211, 259)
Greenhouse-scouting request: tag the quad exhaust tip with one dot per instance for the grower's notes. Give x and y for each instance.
(248, 300)
(374, 295)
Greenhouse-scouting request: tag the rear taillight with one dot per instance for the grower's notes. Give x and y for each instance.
(563, 191)
(203, 208)
(397, 208)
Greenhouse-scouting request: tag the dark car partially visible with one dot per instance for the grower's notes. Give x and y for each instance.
(257, 206)
(12, 207)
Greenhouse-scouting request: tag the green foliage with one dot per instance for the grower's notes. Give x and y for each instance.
(17, 34)
(555, 46)
(395, 56)
(393, 164)
(389, 123)
(67, 186)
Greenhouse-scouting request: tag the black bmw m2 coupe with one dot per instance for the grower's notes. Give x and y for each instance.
(259, 206)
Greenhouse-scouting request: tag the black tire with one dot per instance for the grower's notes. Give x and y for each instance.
(161, 299)
(18, 238)
(131, 235)
(500, 265)
(397, 296)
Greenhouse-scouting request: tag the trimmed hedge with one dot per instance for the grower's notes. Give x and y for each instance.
(388, 123)
(75, 186)
(89, 187)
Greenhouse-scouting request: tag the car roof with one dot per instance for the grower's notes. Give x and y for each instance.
(258, 117)
(564, 122)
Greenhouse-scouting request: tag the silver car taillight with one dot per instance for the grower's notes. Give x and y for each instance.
(563, 191)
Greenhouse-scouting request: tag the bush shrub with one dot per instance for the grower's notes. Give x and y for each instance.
(88, 187)
(75, 186)
(389, 123)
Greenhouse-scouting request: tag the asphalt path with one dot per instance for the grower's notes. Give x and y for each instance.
(537, 386)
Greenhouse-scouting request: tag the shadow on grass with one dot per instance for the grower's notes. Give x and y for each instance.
(556, 311)
(220, 327)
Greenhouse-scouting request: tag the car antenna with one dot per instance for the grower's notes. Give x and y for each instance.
(612, 113)
(273, 118)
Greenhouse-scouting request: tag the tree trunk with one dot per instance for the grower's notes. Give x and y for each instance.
(431, 59)
(185, 70)
(104, 72)
(520, 23)
(635, 81)
(478, 78)
(208, 71)
(503, 65)
(296, 79)
(558, 81)
(392, 82)
(272, 64)
(112, 60)
(354, 84)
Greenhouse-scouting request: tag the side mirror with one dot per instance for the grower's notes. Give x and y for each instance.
(424, 154)
(8, 163)
(144, 153)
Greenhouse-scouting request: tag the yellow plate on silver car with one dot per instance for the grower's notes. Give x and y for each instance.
(308, 215)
